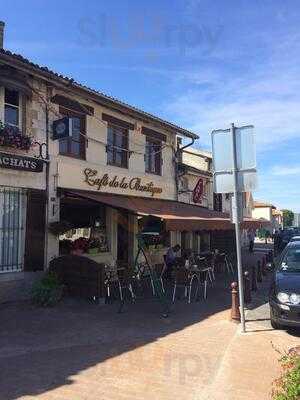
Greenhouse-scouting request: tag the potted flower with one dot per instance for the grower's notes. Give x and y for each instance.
(79, 246)
(94, 245)
(11, 136)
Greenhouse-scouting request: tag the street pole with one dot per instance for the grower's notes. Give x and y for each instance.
(235, 213)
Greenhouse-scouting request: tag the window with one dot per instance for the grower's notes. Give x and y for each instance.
(153, 158)
(218, 202)
(11, 107)
(74, 146)
(12, 229)
(184, 183)
(196, 242)
(117, 146)
(184, 241)
(291, 260)
(89, 227)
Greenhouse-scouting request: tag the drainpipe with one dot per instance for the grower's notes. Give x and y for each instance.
(47, 184)
(2, 26)
(178, 152)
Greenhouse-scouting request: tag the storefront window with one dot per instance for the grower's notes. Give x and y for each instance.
(88, 233)
(184, 241)
(196, 242)
(153, 232)
(12, 229)
(205, 242)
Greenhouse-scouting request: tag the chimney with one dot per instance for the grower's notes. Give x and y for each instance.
(2, 25)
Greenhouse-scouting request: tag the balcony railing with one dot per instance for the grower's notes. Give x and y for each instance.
(11, 136)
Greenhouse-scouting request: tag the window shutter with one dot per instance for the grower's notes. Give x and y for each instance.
(35, 231)
(23, 113)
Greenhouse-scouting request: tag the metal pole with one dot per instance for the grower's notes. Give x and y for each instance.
(235, 214)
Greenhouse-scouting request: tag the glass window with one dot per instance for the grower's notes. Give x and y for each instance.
(12, 229)
(11, 107)
(117, 146)
(196, 242)
(218, 202)
(89, 228)
(291, 260)
(153, 158)
(74, 146)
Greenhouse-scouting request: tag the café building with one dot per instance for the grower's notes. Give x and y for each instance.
(83, 174)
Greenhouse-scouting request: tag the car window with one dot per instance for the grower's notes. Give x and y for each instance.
(291, 260)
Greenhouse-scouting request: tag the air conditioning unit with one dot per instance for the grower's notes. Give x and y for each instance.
(62, 128)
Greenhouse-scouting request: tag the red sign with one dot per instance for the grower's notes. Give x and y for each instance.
(198, 191)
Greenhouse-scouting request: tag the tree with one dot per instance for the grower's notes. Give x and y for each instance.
(288, 217)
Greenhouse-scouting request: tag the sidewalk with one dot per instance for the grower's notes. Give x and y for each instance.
(250, 363)
(79, 351)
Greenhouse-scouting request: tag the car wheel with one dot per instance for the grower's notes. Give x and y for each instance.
(275, 325)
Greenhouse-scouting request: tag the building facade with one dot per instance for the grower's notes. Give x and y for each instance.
(267, 212)
(85, 174)
(23, 188)
(296, 222)
(112, 149)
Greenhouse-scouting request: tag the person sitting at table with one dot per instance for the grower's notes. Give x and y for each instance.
(171, 257)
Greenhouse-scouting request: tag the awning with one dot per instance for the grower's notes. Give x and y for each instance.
(178, 216)
(251, 223)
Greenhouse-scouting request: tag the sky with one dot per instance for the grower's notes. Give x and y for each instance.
(197, 63)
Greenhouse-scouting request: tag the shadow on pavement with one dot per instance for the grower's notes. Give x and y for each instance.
(43, 349)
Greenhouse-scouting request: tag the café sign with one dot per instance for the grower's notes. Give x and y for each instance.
(20, 163)
(106, 181)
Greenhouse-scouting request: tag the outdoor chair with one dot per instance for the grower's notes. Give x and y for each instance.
(120, 277)
(183, 278)
(207, 264)
(160, 270)
(202, 278)
(126, 277)
(110, 280)
(229, 263)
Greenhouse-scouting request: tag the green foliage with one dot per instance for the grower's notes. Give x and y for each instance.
(288, 217)
(287, 387)
(48, 291)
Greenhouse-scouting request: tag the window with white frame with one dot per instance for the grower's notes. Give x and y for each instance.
(12, 228)
(12, 114)
(153, 157)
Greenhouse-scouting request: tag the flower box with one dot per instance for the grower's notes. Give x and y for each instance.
(77, 252)
(11, 136)
(93, 250)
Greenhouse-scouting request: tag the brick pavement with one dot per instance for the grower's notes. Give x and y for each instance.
(81, 351)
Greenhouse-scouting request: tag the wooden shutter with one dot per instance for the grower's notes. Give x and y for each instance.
(35, 231)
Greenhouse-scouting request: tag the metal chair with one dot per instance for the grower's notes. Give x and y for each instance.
(229, 263)
(160, 270)
(183, 278)
(207, 264)
(125, 281)
(202, 279)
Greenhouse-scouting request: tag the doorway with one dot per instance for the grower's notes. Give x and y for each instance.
(123, 238)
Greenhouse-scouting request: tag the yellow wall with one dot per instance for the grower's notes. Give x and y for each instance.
(262, 212)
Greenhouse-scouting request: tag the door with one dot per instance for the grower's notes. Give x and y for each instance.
(122, 238)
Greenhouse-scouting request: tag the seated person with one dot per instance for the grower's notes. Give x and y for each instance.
(171, 257)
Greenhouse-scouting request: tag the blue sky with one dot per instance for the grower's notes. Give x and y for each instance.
(198, 63)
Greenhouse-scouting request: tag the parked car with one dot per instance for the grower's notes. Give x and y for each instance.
(284, 295)
(295, 238)
(285, 237)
